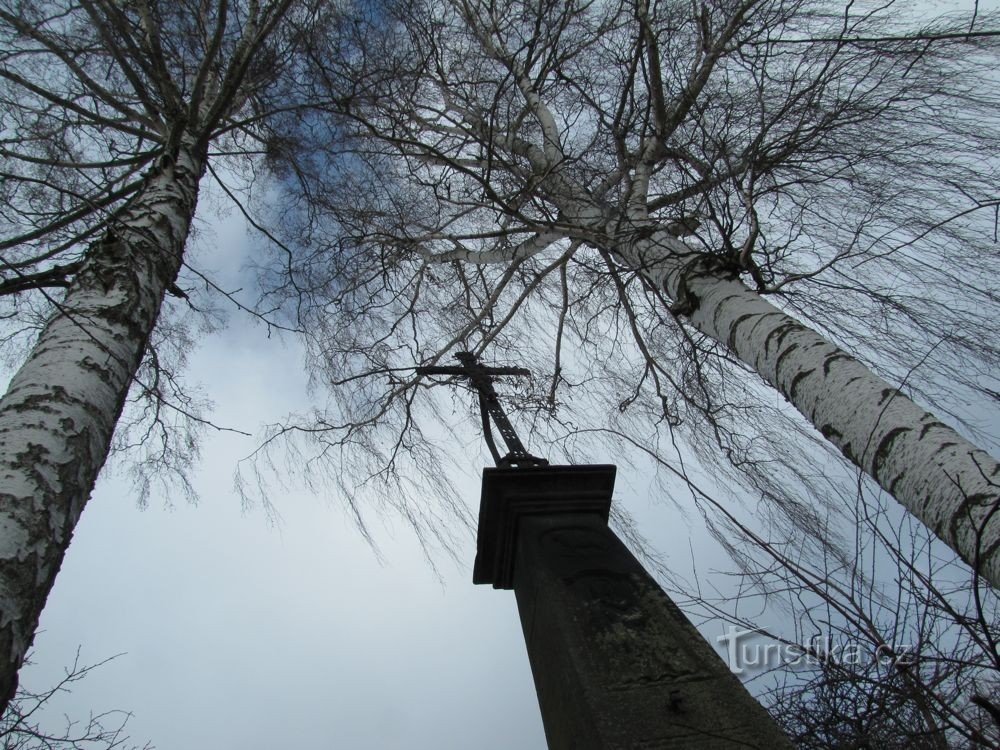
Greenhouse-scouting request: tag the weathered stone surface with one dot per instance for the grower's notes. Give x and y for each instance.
(615, 663)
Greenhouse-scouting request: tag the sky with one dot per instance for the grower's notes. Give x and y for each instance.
(239, 633)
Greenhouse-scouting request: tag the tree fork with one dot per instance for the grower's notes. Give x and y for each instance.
(943, 479)
(59, 413)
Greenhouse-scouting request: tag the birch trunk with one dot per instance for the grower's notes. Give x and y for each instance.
(944, 480)
(58, 415)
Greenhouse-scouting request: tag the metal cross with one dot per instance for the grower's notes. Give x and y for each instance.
(489, 406)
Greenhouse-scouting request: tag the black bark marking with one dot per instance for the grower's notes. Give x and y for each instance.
(105, 373)
(731, 341)
(686, 303)
(833, 357)
(781, 358)
(780, 332)
(884, 446)
(831, 433)
(988, 501)
(892, 485)
(945, 446)
(887, 393)
(42, 402)
(930, 426)
(797, 379)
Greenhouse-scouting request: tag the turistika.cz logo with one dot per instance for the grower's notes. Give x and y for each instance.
(744, 653)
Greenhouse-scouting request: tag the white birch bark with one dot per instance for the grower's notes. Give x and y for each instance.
(58, 415)
(943, 479)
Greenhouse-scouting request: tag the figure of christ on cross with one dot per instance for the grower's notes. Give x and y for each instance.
(489, 406)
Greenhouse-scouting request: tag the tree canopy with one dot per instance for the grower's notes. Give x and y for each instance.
(607, 193)
(550, 181)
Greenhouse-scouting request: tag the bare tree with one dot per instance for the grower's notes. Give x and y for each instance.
(671, 209)
(111, 114)
(24, 725)
(893, 644)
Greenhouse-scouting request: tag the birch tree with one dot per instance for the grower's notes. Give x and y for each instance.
(673, 208)
(112, 112)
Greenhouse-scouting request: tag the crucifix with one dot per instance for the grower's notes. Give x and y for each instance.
(490, 408)
(615, 663)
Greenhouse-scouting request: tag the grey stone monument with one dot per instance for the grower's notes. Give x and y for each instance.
(615, 662)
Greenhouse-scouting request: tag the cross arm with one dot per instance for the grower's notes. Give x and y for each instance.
(453, 370)
(489, 406)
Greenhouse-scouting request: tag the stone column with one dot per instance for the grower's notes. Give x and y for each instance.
(615, 662)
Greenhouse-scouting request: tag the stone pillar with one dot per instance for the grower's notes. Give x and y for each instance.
(615, 662)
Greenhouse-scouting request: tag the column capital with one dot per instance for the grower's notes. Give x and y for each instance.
(512, 493)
